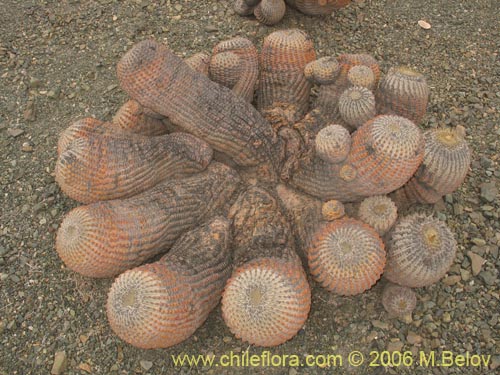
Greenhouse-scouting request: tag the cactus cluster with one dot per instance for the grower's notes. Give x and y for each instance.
(237, 201)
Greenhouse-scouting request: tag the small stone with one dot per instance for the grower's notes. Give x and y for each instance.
(495, 362)
(178, 7)
(395, 346)
(476, 262)
(465, 275)
(488, 277)
(489, 191)
(15, 132)
(479, 241)
(3, 276)
(27, 147)
(35, 83)
(85, 367)
(83, 339)
(424, 24)
(292, 371)
(29, 112)
(380, 324)
(451, 280)
(146, 365)
(413, 338)
(211, 28)
(485, 162)
(60, 363)
(15, 278)
(3, 251)
(446, 317)
(227, 339)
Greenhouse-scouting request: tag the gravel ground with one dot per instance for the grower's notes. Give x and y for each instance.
(57, 64)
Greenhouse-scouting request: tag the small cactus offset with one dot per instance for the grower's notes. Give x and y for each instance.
(270, 12)
(161, 304)
(421, 250)
(379, 211)
(399, 301)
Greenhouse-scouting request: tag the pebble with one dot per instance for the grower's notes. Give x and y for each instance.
(3, 251)
(27, 147)
(395, 346)
(446, 317)
(380, 324)
(488, 277)
(479, 241)
(495, 362)
(60, 363)
(476, 262)
(15, 132)
(451, 280)
(465, 274)
(489, 191)
(413, 338)
(146, 365)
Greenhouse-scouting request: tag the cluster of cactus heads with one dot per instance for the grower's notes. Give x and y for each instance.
(219, 164)
(270, 12)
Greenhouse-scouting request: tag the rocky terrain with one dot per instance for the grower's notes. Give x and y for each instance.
(57, 64)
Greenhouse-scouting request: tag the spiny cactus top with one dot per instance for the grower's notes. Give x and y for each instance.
(378, 211)
(446, 162)
(322, 71)
(403, 92)
(333, 143)
(420, 251)
(347, 256)
(357, 106)
(332, 210)
(361, 75)
(161, 304)
(156, 78)
(398, 301)
(270, 12)
(283, 86)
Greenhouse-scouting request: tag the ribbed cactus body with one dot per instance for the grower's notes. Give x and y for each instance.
(199, 62)
(270, 12)
(156, 78)
(267, 299)
(105, 238)
(163, 303)
(96, 166)
(385, 152)
(235, 64)
(403, 92)
(132, 118)
(346, 256)
(317, 7)
(420, 251)
(446, 162)
(357, 106)
(361, 75)
(332, 144)
(398, 301)
(243, 8)
(379, 211)
(283, 93)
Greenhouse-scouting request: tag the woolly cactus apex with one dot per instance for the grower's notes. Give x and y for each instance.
(446, 162)
(283, 93)
(333, 143)
(270, 12)
(346, 257)
(161, 81)
(159, 305)
(399, 301)
(106, 238)
(132, 118)
(267, 299)
(361, 75)
(420, 251)
(97, 167)
(379, 212)
(317, 7)
(322, 71)
(385, 153)
(235, 64)
(332, 210)
(356, 106)
(403, 92)
(199, 62)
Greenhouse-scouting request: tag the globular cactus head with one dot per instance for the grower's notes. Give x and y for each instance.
(379, 211)
(357, 105)
(421, 250)
(403, 92)
(399, 301)
(361, 75)
(332, 143)
(266, 301)
(322, 71)
(270, 12)
(332, 210)
(225, 68)
(349, 60)
(346, 257)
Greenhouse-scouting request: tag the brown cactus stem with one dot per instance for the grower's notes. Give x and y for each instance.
(161, 304)
(244, 7)
(156, 78)
(384, 154)
(283, 93)
(199, 62)
(106, 238)
(270, 12)
(99, 166)
(317, 7)
(267, 299)
(132, 118)
(247, 74)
